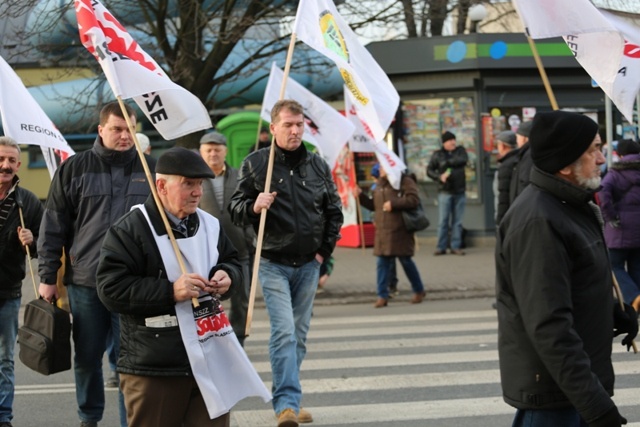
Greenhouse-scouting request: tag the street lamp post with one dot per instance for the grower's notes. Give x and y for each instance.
(477, 13)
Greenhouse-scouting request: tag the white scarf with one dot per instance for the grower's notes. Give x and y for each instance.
(220, 366)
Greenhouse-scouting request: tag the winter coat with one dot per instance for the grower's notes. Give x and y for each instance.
(12, 253)
(306, 216)
(392, 238)
(522, 165)
(504, 175)
(132, 280)
(89, 192)
(555, 301)
(455, 160)
(209, 204)
(620, 203)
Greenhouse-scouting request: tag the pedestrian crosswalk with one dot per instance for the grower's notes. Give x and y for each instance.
(406, 369)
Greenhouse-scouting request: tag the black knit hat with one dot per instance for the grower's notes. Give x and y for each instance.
(627, 146)
(183, 162)
(559, 138)
(524, 129)
(447, 136)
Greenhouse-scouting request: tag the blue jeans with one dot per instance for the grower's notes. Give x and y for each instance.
(625, 264)
(288, 294)
(91, 325)
(450, 208)
(384, 268)
(9, 309)
(567, 417)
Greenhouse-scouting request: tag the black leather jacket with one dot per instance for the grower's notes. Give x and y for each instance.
(306, 216)
(455, 160)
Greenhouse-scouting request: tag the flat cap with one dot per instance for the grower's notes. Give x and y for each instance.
(183, 162)
(213, 138)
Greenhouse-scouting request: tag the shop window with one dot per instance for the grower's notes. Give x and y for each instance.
(424, 123)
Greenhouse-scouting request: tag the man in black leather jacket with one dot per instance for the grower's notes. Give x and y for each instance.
(447, 168)
(302, 226)
(556, 313)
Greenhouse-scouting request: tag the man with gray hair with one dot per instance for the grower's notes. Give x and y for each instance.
(14, 239)
(556, 313)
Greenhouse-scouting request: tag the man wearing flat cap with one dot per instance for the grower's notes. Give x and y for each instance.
(506, 144)
(216, 195)
(139, 277)
(556, 313)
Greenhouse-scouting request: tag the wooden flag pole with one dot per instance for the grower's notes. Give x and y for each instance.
(354, 177)
(154, 192)
(267, 186)
(543, 73)
(33, 277)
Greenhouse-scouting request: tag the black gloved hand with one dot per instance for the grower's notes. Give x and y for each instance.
(611, 418)
(625, 322)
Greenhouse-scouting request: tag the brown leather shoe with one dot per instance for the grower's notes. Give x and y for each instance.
(380, 303)
(457, 251)
(304, 416)
(417, 298)
(436, 253)
(287, 418)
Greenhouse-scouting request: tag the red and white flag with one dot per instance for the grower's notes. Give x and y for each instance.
(324, 128)
(392, 164)
(362, 140)
(319, 25)
(132, 73)
(606, 46)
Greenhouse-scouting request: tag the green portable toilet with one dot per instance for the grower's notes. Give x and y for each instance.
(241, 130)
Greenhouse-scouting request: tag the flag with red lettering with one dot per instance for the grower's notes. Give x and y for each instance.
(324, 127)
(362, 140)
(391, 163)
(22, 117)
(319, 25)
(132, 73)
(607, 46)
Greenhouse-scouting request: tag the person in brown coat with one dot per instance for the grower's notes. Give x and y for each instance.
(392, 240)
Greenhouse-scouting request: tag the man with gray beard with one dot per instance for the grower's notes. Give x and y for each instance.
(556, 312)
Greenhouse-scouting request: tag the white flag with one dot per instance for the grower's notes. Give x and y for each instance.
(604, 45)
(324, 127)
(319, 25)
(391, 163)
(22, 117)
(132, 73)
(361, 140)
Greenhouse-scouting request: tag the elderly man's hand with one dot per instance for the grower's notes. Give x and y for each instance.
(188, 286)
(219, 283)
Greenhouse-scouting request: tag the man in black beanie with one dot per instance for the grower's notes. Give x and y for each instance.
(556, 314)
(446, 167)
